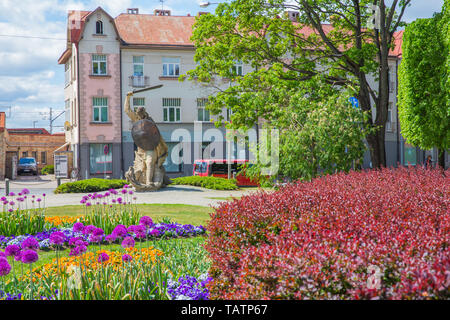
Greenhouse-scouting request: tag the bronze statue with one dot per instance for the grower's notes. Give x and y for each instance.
(147, 172)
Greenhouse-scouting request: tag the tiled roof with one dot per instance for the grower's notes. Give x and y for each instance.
(155, 30)
(145, 29)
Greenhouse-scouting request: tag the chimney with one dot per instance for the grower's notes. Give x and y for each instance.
(133, 10)
(2, 120)
(159, 12)
(293, 15)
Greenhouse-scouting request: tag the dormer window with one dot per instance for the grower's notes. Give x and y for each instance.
(99, 27)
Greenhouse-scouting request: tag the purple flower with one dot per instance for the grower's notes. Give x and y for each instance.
(25, 191)
(98, 232)
(38, 199)
(5, 268)
(78, 251)
(124, 191)
(78, 227)
(43, 194)
(18, 256)
(130, 192)
(12, 250)
(120, 231)
(12, 203)
(12, 194)
(29, 256)
(30, 243)
(2, 255)
(128, 242)
(102, 257)
(89, 229)
(127, 258)
(95, 239)
(73, 241)
(57, 238)
(111, 238)
(146, 221)
(154, 232)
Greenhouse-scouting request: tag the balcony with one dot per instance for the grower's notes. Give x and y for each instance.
(138, 81)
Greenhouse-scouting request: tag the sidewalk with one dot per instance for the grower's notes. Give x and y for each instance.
(169, 195)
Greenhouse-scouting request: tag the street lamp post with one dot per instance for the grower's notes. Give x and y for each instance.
(205, 4)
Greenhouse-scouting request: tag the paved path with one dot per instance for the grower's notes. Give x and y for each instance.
(170, 195)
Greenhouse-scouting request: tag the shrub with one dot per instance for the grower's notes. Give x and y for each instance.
(324, 239)
(207, 182)
(90, 185)
(48, 169)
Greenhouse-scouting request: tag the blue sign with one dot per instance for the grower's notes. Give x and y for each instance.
(354, 102)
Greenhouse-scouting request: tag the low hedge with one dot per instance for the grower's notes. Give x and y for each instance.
(382, 234)
(207, 182)
(48, 169)
(90, 185)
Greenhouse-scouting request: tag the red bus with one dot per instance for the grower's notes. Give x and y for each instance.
(219, 168)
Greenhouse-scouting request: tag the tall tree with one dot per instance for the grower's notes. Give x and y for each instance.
(424, 86)
(328, 41)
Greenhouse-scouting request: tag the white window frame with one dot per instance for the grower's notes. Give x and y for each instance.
(171, 104)
(389, 126)
(135, 99)
(136, 62)
(171, 66)
(100, 103)
(201, 110)
(99, 22)
(238, 68)
(99, 59)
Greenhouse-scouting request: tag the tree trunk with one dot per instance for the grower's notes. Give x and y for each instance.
(441, 158)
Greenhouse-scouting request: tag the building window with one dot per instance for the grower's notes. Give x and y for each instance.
(67, 113)
(138, 65)
(100, 108)
(99, 27)
(24, 154)
(67, 73)
(237, 69)
(100, 158)
(171, 109)
(98, 64)
(171, 67)
(202, 113)
(34, 155)
(43, 157)
(389, 118)
(138, 102)
(410, 155)
(169, 164)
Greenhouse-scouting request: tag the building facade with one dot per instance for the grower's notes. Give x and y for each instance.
(27, 142)
(108, 57)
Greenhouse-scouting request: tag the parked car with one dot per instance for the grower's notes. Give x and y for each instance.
(27, 165)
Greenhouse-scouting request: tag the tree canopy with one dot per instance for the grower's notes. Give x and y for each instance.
(424, 85)
(323, 49)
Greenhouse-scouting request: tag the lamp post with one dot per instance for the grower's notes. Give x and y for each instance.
(205, 4)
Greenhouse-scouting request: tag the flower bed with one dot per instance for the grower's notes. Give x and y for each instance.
(370, 235)
(154, 231)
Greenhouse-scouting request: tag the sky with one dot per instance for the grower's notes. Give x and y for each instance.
(33, 36)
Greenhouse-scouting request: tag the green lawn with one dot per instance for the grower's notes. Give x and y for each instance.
(181, 213)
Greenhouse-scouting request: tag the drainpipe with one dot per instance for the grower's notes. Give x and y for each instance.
(122, 170)
(79, 112)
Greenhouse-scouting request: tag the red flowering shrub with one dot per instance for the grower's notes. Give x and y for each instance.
(325, 239)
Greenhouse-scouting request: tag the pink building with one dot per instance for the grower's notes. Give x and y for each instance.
(93, 93)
